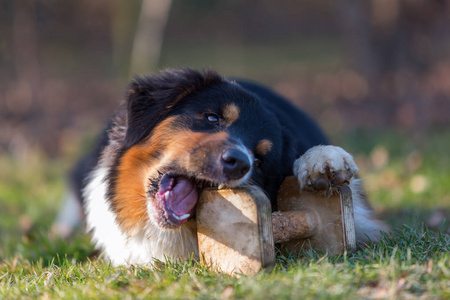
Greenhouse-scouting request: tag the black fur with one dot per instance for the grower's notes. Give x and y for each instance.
(151, 98)
(263, 115)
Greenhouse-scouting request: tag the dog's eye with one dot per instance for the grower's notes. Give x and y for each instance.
(213, 118)
(257, 162)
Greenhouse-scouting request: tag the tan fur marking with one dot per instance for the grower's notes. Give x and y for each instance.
(263, 147)
(177, 143)
(130, 201)
(231, 113)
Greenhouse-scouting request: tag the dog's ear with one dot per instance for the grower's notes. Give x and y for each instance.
(150, 99)
(144, 111)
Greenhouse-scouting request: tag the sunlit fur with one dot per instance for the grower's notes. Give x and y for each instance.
(144, 243)
(163, 128)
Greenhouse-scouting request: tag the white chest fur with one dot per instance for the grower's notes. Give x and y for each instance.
(142, 246)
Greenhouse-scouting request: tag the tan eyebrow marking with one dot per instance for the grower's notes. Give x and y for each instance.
(231, 113)
(264, 147)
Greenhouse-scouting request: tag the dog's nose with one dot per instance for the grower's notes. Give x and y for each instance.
(235, 163)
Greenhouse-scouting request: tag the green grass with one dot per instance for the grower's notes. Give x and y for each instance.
(407, 181)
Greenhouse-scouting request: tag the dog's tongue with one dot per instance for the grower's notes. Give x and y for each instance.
(183, 197)
(180, 196)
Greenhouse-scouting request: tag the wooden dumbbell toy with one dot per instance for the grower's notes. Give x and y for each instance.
(237, 230)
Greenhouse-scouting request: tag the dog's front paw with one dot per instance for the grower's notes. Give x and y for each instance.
(323, 168)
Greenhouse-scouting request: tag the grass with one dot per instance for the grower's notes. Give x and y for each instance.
(407, 182)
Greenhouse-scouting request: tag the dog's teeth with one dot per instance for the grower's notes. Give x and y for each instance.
(166, 194)
(182, 217)
(221, 186)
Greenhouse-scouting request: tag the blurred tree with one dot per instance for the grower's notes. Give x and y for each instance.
(124, 20)
(149, 36)
(26, 60)
(137, 35)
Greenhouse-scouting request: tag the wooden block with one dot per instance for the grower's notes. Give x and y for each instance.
(294, 225)
(331, 219)
(234, 229)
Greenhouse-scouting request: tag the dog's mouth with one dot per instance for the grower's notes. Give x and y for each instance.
(179, 196)
(175, 197)
(174, 193)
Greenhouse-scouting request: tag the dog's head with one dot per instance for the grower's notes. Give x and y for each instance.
(187, 130)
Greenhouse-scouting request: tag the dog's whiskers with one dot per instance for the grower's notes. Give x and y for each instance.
(254, 183)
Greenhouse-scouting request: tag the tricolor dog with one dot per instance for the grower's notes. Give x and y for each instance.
(180, 131)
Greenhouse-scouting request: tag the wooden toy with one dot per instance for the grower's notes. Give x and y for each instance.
(237, 229)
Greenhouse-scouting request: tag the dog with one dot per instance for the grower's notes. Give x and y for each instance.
(182, 130)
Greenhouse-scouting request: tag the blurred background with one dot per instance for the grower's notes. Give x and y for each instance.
(374, 73)
(351, 64)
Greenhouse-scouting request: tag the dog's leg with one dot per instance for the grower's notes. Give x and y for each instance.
(69, 216)
(324, 168)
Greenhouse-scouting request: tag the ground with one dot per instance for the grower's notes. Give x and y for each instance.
(407, 182)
